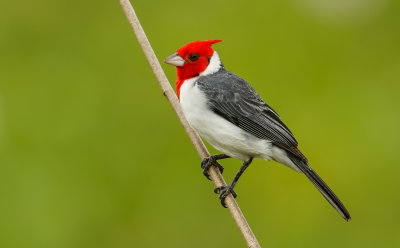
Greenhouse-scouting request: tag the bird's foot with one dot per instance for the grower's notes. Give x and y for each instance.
(223, 192)
(206, 163)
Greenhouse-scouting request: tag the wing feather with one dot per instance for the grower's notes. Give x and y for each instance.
(234, 99)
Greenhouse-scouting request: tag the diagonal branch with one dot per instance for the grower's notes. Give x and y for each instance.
(196, 141)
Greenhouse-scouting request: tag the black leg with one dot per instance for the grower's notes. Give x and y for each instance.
(224, 191)
(210, 161)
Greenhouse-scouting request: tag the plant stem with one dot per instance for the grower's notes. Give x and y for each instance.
(193, 136)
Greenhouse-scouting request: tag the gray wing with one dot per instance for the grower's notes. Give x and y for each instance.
(234, 99)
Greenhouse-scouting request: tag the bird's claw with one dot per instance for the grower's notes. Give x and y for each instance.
(223, 192)
(206, 163)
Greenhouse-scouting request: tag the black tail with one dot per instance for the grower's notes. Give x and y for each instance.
(321, 186)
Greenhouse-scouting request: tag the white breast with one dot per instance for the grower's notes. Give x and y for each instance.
(220, 133)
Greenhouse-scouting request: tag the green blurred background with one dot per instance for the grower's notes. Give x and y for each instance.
(92, 155)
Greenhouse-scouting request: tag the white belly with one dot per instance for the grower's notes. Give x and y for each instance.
(220, 133)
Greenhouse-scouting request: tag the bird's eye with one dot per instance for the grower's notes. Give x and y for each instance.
(193, 57)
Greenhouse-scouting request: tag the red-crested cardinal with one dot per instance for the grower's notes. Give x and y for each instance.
(229, 114)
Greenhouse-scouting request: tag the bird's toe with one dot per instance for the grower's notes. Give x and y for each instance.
(223, 192)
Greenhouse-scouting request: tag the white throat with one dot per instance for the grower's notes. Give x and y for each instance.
(213, 66)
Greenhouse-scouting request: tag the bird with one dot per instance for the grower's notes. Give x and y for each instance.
(230, 115)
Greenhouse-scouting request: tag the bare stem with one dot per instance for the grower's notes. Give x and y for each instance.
(197, 143)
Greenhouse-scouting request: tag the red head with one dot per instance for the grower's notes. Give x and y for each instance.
(191, 60)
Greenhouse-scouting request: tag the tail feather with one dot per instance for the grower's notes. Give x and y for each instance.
(321, 186)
